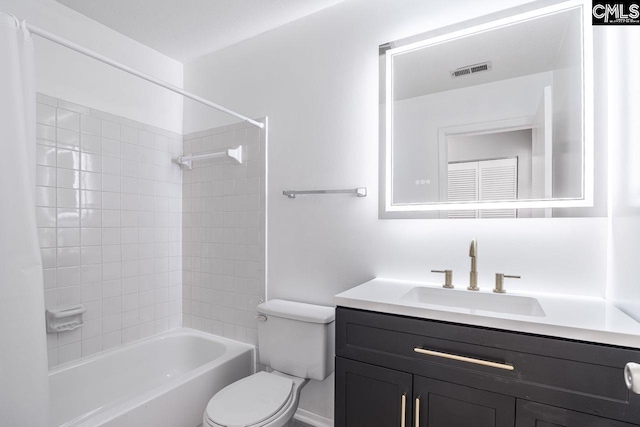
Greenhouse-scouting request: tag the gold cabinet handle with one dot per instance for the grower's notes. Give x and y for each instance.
(497, 365)
(404, 409)
(417, 412)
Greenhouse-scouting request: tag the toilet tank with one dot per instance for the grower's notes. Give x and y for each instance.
(296, 338)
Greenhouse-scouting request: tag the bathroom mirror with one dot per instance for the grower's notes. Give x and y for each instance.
(489, 119)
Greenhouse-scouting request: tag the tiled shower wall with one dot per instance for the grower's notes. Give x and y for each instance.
(109, 204)
(224, 233)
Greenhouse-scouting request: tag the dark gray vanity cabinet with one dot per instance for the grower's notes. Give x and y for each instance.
(383, 360)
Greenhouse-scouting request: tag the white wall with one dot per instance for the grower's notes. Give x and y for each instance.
(624, 175)
(317, 80)
(68, 75)
(109, 212)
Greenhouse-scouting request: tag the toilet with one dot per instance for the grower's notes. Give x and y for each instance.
(296, 341)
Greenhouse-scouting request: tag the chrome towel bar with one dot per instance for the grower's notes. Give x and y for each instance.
(360, 192)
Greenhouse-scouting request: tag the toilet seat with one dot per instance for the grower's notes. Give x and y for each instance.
(251, 402)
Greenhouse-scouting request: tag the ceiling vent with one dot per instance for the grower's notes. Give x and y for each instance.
(471, 69)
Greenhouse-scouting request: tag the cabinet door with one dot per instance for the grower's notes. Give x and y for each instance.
(442, 404)
(371, 396)
(532, 414)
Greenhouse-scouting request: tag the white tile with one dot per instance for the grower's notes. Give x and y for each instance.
(68, 337)
(91, 346)
(69, 353)
(90, 162)
(68, 119)
(46, 217)
(129, 218)
(111, 271)
(91, 236)
(67, 139)
(45, 155)
(91, 143)
(68, 217)
(46, 196)
(129, 135)
(46, 176)
(129, 152)
(47, 237)
(111, 323)
(91, 181)
(46, 135)
(91, 125)
(91, 218)
(112, 253)
(45, 114)
(68, 178)
(111, 340)
(92, 328)
(90, 199)
(68, 257)
(110, 147)
(70, 295)
(111, 130)
(73, 107)
(68, 198)
(68, 159)
(91, 255)
(111, 183)
(91, 273)
(91, 292)
(111, 165)
(68, 276)
(110, 200)
(111, 236)
(129, 202)
(130, 334)
(68, 237)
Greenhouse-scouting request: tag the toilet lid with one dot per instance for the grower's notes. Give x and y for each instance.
(251, 400)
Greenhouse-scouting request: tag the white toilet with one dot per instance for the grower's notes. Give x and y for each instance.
(297, 341)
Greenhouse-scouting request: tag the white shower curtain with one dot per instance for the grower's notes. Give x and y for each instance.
(23, 351)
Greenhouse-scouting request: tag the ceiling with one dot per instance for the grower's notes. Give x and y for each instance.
(528, 47)
(188, 29)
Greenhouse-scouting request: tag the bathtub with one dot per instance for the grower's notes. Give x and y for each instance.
(166, 380)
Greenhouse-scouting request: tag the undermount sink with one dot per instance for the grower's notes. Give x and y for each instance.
(497, 303)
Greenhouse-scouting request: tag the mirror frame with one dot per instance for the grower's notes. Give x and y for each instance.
(486, 23)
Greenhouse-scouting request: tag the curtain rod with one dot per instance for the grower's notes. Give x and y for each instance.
(80, 49)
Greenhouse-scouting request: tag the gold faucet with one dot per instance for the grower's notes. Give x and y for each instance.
(473, 275)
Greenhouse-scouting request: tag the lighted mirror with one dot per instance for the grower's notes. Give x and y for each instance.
(491, 120)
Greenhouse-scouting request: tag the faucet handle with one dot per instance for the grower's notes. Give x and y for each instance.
(499, 289)
(448, 278)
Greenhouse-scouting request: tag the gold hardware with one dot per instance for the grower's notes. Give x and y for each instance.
(417, 412)
(448, 278)
(404, 409)
(497, 365)
(473, 275)
(499, 289)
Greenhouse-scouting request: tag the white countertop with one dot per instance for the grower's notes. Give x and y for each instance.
(574, 317)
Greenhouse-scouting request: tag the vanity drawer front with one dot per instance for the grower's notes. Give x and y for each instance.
(565, 373)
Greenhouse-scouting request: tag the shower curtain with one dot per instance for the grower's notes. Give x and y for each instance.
(23, 351)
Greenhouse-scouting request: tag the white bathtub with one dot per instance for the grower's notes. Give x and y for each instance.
(165, 380)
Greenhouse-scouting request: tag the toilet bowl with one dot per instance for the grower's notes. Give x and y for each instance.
(295, 338)
(260, 400)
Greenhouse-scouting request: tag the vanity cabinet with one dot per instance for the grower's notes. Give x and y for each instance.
(439, 370)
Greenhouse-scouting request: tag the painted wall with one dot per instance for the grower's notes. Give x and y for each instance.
(624, 177)
(317, 80)
(65, 74)
(109, 212)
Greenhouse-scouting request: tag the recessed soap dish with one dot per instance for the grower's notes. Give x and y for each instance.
(65, 319)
